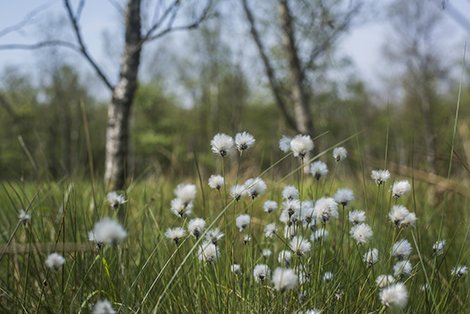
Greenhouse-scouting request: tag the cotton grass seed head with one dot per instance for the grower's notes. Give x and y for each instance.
(371, 257)
(383, 281)
(325, 209)
(270, 230)
(115, 199)
(402, 217)
(290, 193)
(361, 233)
(394, 295)
(290, 231)
(236, 269)
(459, 271)
(243, 141)
(402, 249)
(380, 176)
(438, 247)
(242, 222)
(181, 209)
(261, 272)
(186, 192)
(319, 234)
(284, 143)
(400, 188)
(55, 261)
(255, 187)
(107, 231)
(344, 196)
(246, 239)
(208, 252)
(301, 145)
(284, 279)
(284, 257)
(340, 153)
(103, 307)
(222, 144)
(237, 191)
(214, 235)
(328, 276)
(196, 227)
(300, 245)
(356, 217)
(24, 217)
(402, 268)
(175, 234)
(318, 169)
(216, 182)
(266, 253)
(269, 206)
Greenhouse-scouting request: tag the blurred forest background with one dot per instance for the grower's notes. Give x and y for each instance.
(233, 73)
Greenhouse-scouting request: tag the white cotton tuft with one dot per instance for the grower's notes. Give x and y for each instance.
(269, 206)
(208, 252)
(325, 209)
(402, 268)
(380, 176)
(394, 295)
(244, 141)
(196, 227)
(261, 272)
(222, 144)
(255, 187)
(103, 307)
(402, 249)
(107, 231)
(242, 222)
(400, 188)
(356, 217)
(318, 169)
(216, 182)
(344, 196)
(340, 153)
(284, 279)
(383, 281)
(55, 261)
(284, 143)
(301, 145)
(361, 233)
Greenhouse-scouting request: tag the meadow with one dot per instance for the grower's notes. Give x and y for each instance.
(313, 239)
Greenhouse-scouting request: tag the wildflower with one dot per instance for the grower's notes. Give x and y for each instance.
(300, 246)
(243, 141)
(328, 276)
(318, 169)
(290, 193)
(340, 153)
(401, 249)
(459, 271)
(267, 253)
(319, 234)
(326, 208)
(255, 187)
(371, 257)
(236, 269)
(237, 191)
(208, 252)
(306, 212)
(115, 199)
(196, 227)
(383, 281)
(216, 182)
(438, 247)
(356, 217)
(269, 206)
(380, 176)
(186, 193)
(222, 144)
(290, 231)
(103, 307)
(344, 196)
(394, 295)
(301, 145)
(214, 235)
(261, 272)
(180, 208)
(401, 217)
(291, 207)
(242, 222)
(402, 268)
(55, 261)
(284, 279)
(107, 231)
(302, 274)
(24, 217)
(361, 233)
(400, 188)
(175, 234)
(246, 239)
(270, 230)
(284, 257)
(284, 143)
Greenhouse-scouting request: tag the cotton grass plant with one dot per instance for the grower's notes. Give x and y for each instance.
(315, 241)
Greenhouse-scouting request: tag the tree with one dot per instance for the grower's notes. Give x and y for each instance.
(308, 31)
(123, 91)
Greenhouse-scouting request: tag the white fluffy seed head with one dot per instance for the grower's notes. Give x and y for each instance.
(255, 187)
(107, 231)
(103, 307)
(401, 216)
(175, 234)
(394, 295)
(290, 192)
(344, 196)
(400, 188)
(115, 199)
(236, 269)
(261, 272)
(361, 233)
(284, 143)
(438, 247)
(269, 206)
(244, 141)
(371, 257)
(459, 271)
(318, 169)
(319, 234)
(181, 209)
(208, 252)
(284, 279)
(340, 153)
(380, 176)
(237, 191)
(186, 192)
(242, 221)
(383, 281)
(24, 217)
(402, 268)
(222, 144)
(325, 209)
(301, 145)
(328, 276)
(196, 227)
(270, 230)
(267, 253)
(284, 257)
(300, 245)
(216, 182)
(402, 249)
(356, 216)
(214, 235)
(55, 261)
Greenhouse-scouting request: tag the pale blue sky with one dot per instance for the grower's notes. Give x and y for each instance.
(363, 45)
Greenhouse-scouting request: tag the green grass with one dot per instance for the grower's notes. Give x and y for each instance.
(148, 273)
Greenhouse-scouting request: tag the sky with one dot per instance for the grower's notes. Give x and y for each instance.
(364, 44)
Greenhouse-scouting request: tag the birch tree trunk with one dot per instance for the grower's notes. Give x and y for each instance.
(119, 109)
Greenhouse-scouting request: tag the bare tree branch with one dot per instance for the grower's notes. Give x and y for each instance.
(83, 48)
(81, 5)
(42, 44)
(155, 25)
(25, 21)
(275, 87)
